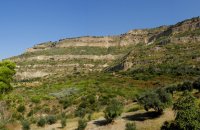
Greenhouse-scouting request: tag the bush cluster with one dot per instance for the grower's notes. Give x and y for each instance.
(185, 86)
(88, 104)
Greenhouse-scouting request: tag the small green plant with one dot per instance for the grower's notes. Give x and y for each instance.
(30, 113)
(51, 119)
(21, 108)
(80, 112)
(113, 110)
(35, 99)
(82, 124)
(63, 122)
(25, 125)
(41, 122)
(130, 126)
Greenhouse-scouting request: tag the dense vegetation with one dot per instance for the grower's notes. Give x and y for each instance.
(7, 71)
(90, 94)
(187, 114)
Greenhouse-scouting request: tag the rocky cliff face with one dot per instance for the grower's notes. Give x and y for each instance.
(88, 54)
(179, 42)
(182, 32)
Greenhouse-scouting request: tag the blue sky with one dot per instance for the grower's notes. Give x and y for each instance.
(24, 23)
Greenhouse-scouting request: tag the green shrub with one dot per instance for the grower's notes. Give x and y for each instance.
(30, 113)
(63, 122)
(185, 86)
(171, 89)
(80, 112)
(82, 124)
(66, 103)
(18, 116)
(170, 126)
(187, 113)
(7, 71)
(33, 120)
(51, 119)
(130, 126)
(46, 109)
(113, 110)
(25, 125)
(35, 99)
(158, 100)
(88, 104)
(21, 108)
(41, 122)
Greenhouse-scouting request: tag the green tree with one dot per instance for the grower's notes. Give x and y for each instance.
(158, 100)
(187, 113)
(113, 110)
(7, 71)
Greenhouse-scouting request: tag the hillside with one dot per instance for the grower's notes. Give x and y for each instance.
(134, 48)
(80, 77)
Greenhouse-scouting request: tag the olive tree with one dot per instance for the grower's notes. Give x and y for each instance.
(158, 100)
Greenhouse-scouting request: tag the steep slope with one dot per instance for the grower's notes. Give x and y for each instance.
(78, 55)
(175, 50)
(132, 50)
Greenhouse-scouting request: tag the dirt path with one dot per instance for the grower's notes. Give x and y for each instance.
(144, 121)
